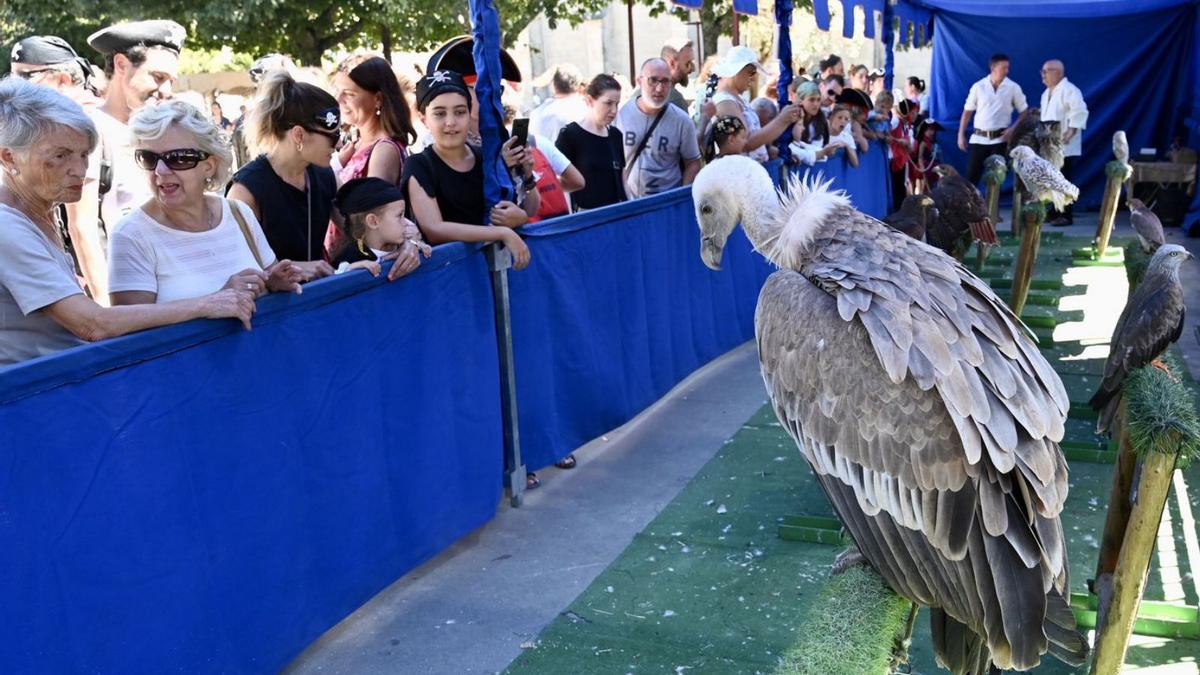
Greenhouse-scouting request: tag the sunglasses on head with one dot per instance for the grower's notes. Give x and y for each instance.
(176, 160)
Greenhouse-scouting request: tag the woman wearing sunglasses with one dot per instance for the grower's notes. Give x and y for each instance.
(45, 141)
(184, 243)
(291, 188)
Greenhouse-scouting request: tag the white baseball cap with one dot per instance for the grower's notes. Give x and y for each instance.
(734, 60)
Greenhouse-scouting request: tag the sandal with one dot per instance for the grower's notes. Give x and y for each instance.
(531, 481)
(567, 462)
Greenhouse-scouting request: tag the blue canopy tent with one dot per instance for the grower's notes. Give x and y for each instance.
(1137, 62)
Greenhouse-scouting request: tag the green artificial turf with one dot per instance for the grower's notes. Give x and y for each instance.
(851, 628)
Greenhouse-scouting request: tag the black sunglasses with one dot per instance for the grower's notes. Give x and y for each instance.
(176, 160)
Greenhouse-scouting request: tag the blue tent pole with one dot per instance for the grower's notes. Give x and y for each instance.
(783, 42)
(485, 28)
(497, 186)
(889, 50)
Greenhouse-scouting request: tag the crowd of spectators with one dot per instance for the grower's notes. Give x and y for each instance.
(125, 206)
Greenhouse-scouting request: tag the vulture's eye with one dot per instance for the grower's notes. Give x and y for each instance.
(706, 210)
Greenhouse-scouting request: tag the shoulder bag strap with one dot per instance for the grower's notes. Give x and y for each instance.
(245, 227)
(645, 141)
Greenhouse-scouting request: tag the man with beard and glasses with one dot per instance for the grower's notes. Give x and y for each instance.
(661, 149)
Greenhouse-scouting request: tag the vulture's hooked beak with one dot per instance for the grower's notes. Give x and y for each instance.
(711, 253)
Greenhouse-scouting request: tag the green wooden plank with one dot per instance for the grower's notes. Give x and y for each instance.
(1039, 320)
(812, 535)
(819, 522)
(1154, 618)
(1081, 411)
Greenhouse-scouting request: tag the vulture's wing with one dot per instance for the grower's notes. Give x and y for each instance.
(944, 529)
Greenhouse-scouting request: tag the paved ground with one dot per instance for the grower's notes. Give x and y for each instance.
(471, 609)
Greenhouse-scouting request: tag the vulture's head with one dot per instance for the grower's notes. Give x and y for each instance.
(1135, 203)
(1168, 258)
(1022, 153)
(722, 193)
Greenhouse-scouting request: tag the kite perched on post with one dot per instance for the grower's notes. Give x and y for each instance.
(924, 407)
(1151, 322)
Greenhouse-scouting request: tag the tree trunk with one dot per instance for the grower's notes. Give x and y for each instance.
(385, 38)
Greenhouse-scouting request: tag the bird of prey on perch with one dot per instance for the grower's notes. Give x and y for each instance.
(962, 215)
(1146, 224)
(1150, 323)
(924, 407)
(1121, 147)
(916, 214)
(1044, 182)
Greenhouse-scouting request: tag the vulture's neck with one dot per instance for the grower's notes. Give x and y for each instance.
(760, 216)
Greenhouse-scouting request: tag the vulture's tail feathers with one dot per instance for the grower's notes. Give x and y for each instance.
(959, 649)
(1067, 644)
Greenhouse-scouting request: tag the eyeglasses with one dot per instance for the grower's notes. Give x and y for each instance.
(30, 74)
(181, 159)
(658, 81)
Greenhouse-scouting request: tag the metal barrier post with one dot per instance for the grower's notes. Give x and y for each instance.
(499, 262)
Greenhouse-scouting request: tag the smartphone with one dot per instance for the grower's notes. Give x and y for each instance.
(520, 130)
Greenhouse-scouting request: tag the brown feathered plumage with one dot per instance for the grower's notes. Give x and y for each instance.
(962, 215)
(916, 214)
(1150, 323)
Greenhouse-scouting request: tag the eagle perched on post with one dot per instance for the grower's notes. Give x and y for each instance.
(924, 408)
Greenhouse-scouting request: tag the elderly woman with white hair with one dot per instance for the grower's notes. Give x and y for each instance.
(45, 141)
(186, 242)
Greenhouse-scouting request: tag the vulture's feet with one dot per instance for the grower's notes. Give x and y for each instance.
(847, 559)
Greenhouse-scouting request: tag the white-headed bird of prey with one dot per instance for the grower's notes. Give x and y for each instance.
(924, 407)
(1146, 224)
(1044, 182)
(916, 214)
(1120, 147)
(1151, 322)
(962, 215)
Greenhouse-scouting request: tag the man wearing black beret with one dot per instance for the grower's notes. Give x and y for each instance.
(141, 61)
(49, 61)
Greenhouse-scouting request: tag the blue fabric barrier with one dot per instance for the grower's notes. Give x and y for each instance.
(614, 310)
(1115, 52)
(202, 499)
(869, 184)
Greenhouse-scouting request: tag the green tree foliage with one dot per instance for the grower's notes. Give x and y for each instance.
(307, 29)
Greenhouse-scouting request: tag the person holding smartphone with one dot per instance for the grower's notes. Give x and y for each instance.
(443, 184)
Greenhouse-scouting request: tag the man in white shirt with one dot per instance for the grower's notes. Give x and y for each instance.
(1063, 102)
(992, 101)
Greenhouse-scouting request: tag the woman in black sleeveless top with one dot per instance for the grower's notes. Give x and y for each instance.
(291, 188)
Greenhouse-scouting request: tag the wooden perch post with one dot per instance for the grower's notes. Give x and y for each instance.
(1116, 521)
(1034, 214)
(1129, 578)
(993, 178)
(1117, 173)
(1018, 204)
(1160, 429)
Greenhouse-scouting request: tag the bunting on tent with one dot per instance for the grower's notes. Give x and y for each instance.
(916, 23)
(739, 6)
